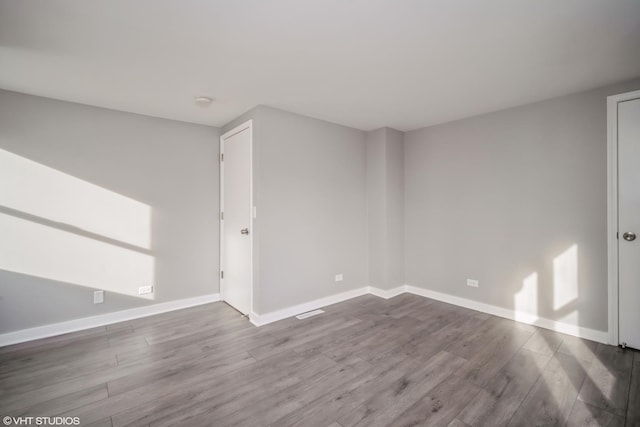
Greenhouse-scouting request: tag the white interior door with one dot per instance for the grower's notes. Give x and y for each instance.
(236, 218)
(629, 222)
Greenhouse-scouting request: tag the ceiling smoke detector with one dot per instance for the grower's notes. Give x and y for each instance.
(203, 101)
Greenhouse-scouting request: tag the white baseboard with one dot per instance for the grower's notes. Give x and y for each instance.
(554, 325)
(102, 320)
(274, 316)
(263, 319)
(386, 293)
(565, 328)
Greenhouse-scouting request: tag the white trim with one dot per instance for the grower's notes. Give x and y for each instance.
(274, 316)
(309, 314)
(387, 293)
(554, 325)
(102, 320)
(565, 328)
(236, 130)
(612, 210)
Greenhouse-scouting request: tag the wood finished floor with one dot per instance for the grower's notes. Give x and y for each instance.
(406, 361)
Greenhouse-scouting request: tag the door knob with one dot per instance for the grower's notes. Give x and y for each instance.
(629, 236)
(245, 231)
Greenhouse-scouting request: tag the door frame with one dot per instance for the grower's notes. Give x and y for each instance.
(612, 209)
(246, 125)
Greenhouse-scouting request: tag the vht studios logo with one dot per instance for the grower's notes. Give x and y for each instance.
(41, 421)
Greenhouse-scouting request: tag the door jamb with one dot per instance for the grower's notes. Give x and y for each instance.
(246, 125)
(612, 210)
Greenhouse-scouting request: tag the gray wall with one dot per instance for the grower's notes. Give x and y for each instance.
(376, 206)
(385, 207)
(311, 209)
(170, 166)
(310, 194)
(395, 208)
(496, 198)
(500, 196)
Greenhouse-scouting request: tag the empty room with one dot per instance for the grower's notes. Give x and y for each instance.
(337, 213)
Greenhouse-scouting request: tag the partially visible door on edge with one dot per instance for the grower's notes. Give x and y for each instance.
(629, 222)
(235, 147)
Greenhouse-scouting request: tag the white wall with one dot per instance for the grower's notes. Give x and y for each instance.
(107, 200)
(517, 200)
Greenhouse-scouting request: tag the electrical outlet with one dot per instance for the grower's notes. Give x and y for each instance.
(98, 297)
(339, 277)
(145, 290)
(473, 283)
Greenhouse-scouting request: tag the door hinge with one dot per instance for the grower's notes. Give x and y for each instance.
(221, 216)
(222, 157)
(222, 274)
(617, 235)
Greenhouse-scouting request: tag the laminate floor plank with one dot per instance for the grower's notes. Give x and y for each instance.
(544, 341)
(377, 338)
(440, 405)
(262, 378)
(581, 349)
(44, 345)
(339, 404)
(193, 380)
(276, 405)
(288, 342)
(11, 401)
(221, 365)
(29, 379)
(420, 348)
(493, 332)
(583, 415)
(504, 393)
(324, 343)
(633, 407)
(606, 385)
(483, 365)
(368, 361)
(552, 397)
(39, 359)
(457, 423)
(404, 392)
(105, 422)
(436, 317)
(66, 403)
(235, 400)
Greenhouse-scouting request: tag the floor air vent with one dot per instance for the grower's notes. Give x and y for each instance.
(309, 314)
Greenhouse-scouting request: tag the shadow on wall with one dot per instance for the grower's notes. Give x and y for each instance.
(58, 227)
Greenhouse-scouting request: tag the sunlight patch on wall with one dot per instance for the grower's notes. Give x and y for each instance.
(38, 250)
(526, 300)
(47, 193)
(565, 277)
